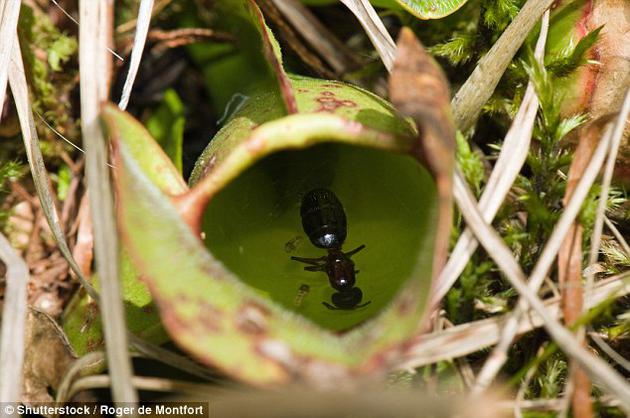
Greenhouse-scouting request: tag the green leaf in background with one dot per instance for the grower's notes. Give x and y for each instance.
(250, 65)
(166, 125)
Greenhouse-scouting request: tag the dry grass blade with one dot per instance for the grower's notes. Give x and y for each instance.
(547, 257)
(470, 337)
(127, 26)
(301, 402)
(616, 357)
(82, 366)
(85, 366)
(578, 387)
(501, 254)
(154, 384)
(142, 28)
(290, 34)
(376, 31)
(20, 92)
(552, 405)
(522, 390)
(374, 403)
(56, 132)
(9, 12)
(170, 358)
(69, 16)
(13, 323)
(511, 159)
(476, 91)
(618, 236)
(95, 69)
(332, 50)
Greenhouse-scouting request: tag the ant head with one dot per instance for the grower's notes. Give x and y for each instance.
(347, 300)
(340, 270)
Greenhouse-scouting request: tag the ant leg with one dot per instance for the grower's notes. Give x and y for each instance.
(356, 250)
(319, 267)
(315, 261)
(329, 306)
(363, 305)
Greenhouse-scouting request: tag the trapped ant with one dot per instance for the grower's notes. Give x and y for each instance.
(324, 221)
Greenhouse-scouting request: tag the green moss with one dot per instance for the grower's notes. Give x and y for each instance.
(62, 48)
(457, 50)
(499, 13)
(470, 163)
(9, 171)
(49, 55)
(166, 125)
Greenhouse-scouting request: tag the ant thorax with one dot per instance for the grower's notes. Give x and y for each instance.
(340, 271)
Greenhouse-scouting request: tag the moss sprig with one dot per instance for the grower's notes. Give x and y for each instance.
(459, 49)
(499, 13)
(9, 171)
(572, 56)
(48, 54)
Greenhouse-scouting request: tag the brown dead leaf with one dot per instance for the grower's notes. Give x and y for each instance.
(20, 225)
(570, 266)
(83, 250)
(601, 87)
(419, 89)
(47, 358)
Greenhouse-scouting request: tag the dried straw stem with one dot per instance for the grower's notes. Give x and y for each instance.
(13, 324)
(502, 255)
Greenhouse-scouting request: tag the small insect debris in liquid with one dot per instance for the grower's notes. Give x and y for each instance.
(324, 222)
(301, 294)
(293, 244)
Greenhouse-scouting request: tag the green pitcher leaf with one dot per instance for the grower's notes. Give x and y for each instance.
(431, 9)
(231, 301)
(81, 320)
(359, 176)
(235, 299)
(422, 9)
(315, 96)
(217, 257)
